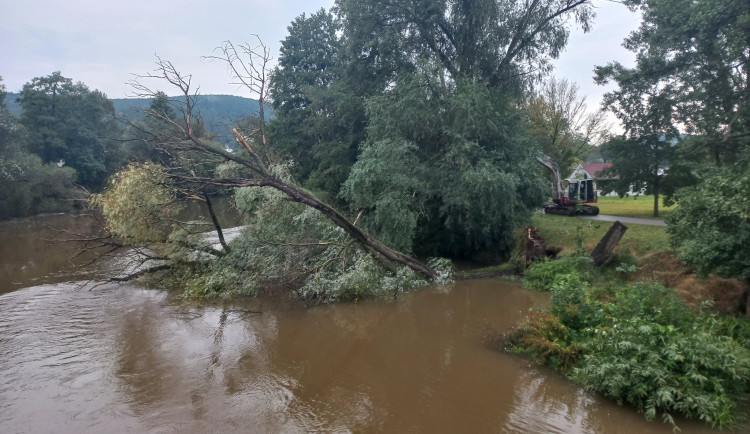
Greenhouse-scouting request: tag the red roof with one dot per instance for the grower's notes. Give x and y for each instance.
(594, 168)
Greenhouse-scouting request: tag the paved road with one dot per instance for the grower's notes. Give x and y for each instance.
(636, 220)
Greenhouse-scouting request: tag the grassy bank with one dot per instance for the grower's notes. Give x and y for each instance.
(634, 206)
(644, 330)
(564, 232)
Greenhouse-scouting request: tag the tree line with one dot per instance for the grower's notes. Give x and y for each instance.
(418, 124)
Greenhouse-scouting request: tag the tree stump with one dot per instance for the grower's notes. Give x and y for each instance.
(603, 251)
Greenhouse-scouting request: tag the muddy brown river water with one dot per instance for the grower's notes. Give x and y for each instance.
(76, 357)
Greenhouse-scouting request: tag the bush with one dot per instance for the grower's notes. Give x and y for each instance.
(573, 302)
(542, 336)
(542, 275)
(658, 367)
(643, 347)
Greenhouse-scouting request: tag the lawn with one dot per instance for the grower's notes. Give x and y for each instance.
(563, 232)
(632, 206)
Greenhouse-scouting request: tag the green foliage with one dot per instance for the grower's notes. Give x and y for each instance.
(649, 302)
(429, 95)
(574, 304)
(711, 226)
(560, 124)
(137, 204)
(318, 118)
(543, 275)
(687, 74)
(658, 367)
(639, 163)
(638, 344)
(542, 336)
(419, 140)
(29, 186)
(288, 246)
(69, 122)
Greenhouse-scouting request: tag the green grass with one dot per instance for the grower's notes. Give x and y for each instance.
(562, 231)
(633, 206)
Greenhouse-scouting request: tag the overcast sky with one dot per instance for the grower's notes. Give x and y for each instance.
(103, 42)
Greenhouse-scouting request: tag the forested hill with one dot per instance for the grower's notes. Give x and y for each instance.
(217, 111)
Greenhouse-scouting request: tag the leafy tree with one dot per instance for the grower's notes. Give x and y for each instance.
(711, 226)
(29, 185)
(69, 122)
(693, 57)
(319, 121)
(446, 168)
(502, 42)
(639, 164)
(444, 175)
(200, 164)
(560, 123)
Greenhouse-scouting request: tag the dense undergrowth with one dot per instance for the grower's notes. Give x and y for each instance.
(636, 343)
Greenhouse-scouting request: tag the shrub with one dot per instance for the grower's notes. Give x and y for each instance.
(542, 336)
(573, 302)
(542, 275)
(658, 367)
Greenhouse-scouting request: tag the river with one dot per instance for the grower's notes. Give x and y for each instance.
(79, 356)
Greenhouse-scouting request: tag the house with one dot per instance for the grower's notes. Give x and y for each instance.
(591, 171)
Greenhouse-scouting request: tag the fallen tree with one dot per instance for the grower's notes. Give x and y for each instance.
(252, 166)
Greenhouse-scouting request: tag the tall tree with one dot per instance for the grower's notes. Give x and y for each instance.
(696, 55)
(501, 42)
(29, 186)
(560, 123)
(446, 168)
(641, 157)
(318, 120)
(69, 122)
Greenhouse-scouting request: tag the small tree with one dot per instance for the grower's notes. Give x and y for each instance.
(640, 157)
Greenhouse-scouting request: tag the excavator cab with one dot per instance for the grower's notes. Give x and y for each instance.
(583, 190)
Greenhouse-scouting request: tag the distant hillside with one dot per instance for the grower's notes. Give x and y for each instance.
(218, 111)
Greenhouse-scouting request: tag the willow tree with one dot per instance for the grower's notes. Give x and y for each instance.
(446, 167)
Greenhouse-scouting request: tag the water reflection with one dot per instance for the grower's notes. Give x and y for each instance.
(122, 359)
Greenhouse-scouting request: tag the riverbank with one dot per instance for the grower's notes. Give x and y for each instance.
(643, 330)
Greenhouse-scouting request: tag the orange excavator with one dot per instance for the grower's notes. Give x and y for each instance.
(573, 199)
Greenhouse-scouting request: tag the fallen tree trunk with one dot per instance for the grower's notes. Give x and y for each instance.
(603, 251)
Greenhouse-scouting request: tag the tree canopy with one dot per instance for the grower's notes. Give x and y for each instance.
(70, 123)
(692, 76)
(29, 185)
(407, 116)
(561, 125)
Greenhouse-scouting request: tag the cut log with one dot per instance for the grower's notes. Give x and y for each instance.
(603, 251)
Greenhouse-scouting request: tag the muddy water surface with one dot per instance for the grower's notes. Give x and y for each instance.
(76, 357)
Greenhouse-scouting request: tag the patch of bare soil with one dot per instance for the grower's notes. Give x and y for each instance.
(725, 294)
